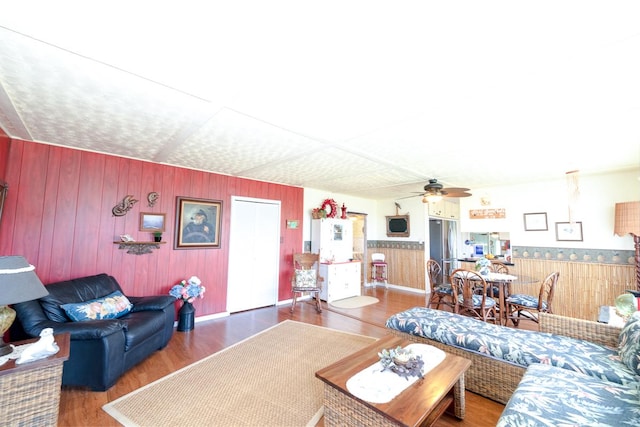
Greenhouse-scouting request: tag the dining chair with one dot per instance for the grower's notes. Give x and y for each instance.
(523, 306)
(470, 295)
(441, 293)
(306, 278)
(499, 267)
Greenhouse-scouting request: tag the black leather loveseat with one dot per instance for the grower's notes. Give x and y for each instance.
(101, 350)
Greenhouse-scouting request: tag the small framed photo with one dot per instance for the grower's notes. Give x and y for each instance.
(569, 232)
(198, 223)
(292, 224)
(152, 222)
(535, 221)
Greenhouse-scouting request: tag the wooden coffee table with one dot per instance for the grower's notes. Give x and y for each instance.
(421, 404)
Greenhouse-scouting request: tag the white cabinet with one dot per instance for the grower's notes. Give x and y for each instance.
(341, 280)
(332, 238)
(446, 209)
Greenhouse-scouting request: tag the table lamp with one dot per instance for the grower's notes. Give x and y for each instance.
(628, 222)
(18, 283)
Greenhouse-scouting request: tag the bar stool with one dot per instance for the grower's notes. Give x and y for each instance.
(378, 269)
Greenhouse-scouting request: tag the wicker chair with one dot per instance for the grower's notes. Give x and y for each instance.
(528, 306)
(470, 295)
(441, 293)
(306, 278)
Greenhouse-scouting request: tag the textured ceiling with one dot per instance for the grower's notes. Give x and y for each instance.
(365, 98)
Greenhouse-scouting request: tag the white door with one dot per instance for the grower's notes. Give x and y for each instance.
(254, 249)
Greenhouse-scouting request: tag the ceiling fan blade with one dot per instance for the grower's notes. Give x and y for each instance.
(409, 197)
(456, 190)
(462, 194)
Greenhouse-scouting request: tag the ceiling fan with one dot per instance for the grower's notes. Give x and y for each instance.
(434, 192)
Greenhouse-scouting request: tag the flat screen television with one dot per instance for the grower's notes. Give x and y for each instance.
(398, 226)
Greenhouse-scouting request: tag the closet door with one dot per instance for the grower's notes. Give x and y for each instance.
(254, 247)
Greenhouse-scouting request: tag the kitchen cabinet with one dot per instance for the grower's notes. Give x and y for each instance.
(341, 280)
(445, 209)
(332, 239)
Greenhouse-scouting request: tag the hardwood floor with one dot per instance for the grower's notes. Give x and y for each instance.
(81, 407)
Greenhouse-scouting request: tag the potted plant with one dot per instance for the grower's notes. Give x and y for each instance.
(157, 236)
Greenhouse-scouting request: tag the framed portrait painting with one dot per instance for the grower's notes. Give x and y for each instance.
(197, 223)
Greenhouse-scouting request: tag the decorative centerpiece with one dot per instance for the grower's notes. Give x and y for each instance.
(402, 362)
(187, 291)
(483, 266)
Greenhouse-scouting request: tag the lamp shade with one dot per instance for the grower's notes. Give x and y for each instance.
(627, 219)
(18, 281)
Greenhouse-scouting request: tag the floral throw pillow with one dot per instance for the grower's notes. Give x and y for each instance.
(306, 279)
(111, 306)
(629, 343)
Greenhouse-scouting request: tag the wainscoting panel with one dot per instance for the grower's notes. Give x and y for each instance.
(582, 288)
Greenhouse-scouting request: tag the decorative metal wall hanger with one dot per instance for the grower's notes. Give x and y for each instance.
(152, 198)
(124, 206)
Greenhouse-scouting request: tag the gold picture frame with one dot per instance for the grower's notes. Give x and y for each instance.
(198, 223)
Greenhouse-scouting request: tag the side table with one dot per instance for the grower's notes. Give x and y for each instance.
(30, 392)
(419, 405)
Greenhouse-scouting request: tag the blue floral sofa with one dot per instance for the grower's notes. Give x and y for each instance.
(571, 368)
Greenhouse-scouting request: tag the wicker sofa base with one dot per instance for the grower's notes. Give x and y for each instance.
(486, 376)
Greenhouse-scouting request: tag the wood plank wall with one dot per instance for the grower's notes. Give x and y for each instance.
(405, 266)
(582, 287)
(58, 216)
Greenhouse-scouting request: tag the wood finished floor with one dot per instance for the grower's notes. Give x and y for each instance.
(81, 407)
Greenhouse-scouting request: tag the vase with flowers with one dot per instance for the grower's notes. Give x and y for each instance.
(187, 291)
(483, 266)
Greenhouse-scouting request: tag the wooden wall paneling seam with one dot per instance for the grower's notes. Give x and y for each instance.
(9, 214)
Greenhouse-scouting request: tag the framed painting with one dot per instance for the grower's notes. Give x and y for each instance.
(569, 232)
(197, 223)
(152, 222)
(535, 221)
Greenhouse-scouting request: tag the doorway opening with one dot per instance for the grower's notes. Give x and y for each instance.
(360, 242)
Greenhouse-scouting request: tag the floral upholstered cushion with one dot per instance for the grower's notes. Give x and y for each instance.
(111, 306)
(444, 289)
(515, 346)
(306, 279)
(529, 301)
(477, 301)
(548, 396)
(630, 343)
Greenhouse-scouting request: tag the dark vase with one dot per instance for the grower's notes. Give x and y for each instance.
(186, 316)
(157, 238)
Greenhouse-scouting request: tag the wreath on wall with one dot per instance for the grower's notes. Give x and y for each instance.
(330, 207)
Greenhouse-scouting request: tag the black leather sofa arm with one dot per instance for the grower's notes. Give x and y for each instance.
(155, 302)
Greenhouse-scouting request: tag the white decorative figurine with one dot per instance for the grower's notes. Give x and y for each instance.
(42, 348)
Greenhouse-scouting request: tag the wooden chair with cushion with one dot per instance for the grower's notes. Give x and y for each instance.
(306, 278)
(441, 293)
(499, 267)
(470, 295)
(525, 306)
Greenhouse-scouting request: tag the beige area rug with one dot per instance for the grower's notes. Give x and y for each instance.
(354, 302)
(266, 380)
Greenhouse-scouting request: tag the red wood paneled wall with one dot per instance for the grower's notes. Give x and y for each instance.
(58, 216)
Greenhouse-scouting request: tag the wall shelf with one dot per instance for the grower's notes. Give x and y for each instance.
(139, 248)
